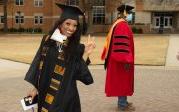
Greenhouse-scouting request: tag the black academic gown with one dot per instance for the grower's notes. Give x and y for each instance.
(66, 98)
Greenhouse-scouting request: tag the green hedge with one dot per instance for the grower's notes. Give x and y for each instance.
(25, 30)
(137, 30)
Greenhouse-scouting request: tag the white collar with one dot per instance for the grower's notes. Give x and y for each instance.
(57, 36)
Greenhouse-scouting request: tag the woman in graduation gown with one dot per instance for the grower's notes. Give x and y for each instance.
(59, 63)
(118, 54)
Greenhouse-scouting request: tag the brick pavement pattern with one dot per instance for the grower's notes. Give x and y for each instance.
(156, 89)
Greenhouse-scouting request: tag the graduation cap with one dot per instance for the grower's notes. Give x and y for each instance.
(126, 8)
(72, 12)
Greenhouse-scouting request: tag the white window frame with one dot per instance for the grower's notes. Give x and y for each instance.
(98, 12)
(39, 18)
(168, 21)
(18, 2)
(99, 2)
(155, 22)
(38, 3)
(164, 24)
(73, 2)
(21, 18)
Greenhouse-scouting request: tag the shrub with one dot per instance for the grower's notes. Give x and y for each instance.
(38, 30)
(137, 30)
(21, 30)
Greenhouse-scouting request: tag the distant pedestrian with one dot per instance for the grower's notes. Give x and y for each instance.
(118, 54)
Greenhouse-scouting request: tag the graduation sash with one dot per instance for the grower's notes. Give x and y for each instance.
(108, 40)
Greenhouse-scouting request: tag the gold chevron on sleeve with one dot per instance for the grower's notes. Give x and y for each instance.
(54, 84)
(44, 110)
(49, 98)
(41, 64)
(61, 56)
(59, 70)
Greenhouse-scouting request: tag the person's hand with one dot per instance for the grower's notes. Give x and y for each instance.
(90, 45)
(177, 56)
(33, 92)
(127, 66)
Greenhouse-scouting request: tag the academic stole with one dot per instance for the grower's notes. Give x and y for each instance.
(108, 40)
(56, 78)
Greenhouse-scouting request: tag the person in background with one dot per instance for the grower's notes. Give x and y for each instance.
(59, 63)
(118, 54)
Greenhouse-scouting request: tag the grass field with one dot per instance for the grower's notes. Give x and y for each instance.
(149, 50)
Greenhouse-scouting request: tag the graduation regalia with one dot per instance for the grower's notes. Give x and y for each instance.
(55, 81)
(55, 78)
(119, 51)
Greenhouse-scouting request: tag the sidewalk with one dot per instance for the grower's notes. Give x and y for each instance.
(156, 87)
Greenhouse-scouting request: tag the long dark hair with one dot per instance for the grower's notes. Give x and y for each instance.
(73, 41)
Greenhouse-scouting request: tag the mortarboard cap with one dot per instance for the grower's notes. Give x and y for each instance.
(72, 12)
(123, 7)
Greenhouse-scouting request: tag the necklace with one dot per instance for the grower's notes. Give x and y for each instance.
(60, 47)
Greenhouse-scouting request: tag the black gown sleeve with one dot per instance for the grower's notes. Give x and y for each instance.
(83, 73)
(81, 52)
(32, 75)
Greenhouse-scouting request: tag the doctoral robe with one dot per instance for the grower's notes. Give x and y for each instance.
(120, 81)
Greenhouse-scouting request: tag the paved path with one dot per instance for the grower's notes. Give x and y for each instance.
(156, 88)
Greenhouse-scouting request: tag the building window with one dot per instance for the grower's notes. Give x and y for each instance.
(38, 3)
(157, 21)
(38, 19)
(98, 2)
(1, 19)
(168, 22)
(98, 15)
(73, 2)
(19, 2)
(19, 18)
(163, 19)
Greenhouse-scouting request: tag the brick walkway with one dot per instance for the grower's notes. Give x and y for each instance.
(156, 89)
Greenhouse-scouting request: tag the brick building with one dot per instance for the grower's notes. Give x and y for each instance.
(43, 13)
(150, 15)
(30, 14)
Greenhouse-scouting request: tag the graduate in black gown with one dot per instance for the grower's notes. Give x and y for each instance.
(59, 63)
